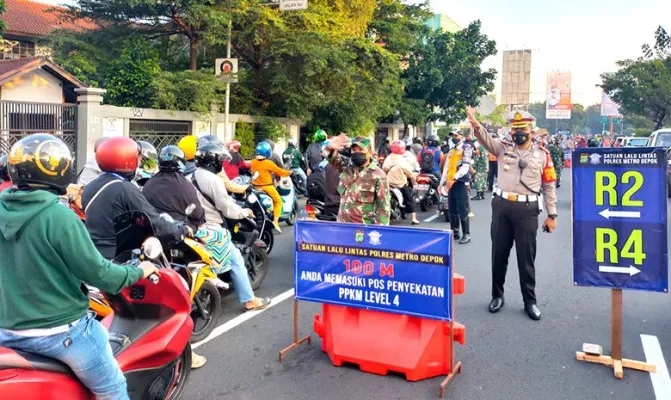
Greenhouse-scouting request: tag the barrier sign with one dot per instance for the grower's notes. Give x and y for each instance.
(620, 219)
(399, 270)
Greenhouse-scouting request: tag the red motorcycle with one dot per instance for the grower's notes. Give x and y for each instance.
(149, 334)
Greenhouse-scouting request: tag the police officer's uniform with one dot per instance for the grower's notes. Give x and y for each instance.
(522, 176)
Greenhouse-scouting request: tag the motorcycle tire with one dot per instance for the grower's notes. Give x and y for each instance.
(424, 205)
(171, 383)
(395, 213)
(211, 301)
(257, 264)
(292, 217)
(268, 238)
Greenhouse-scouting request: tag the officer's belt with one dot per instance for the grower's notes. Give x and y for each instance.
(516, 197)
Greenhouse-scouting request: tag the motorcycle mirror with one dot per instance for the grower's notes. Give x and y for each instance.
(152, 248)
(190, 209)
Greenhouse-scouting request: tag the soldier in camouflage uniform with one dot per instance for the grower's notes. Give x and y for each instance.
(364, 191)
(557, 154)
(480, 163)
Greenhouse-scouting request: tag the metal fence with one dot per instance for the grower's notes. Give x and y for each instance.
(19, 119)
(159, 133)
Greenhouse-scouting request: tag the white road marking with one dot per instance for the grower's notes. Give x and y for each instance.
(661, 382)
(431, 218)
(232, 323)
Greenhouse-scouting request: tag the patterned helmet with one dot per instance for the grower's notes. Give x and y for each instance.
(398, 147)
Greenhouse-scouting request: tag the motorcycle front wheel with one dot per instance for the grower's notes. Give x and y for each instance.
(257, 266)
(268, 238)
(205, 313)
(171, 383)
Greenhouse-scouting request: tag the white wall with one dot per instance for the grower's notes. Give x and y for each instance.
(37, 86)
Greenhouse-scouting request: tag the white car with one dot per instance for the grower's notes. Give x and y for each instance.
(660, 138)
(634, 142)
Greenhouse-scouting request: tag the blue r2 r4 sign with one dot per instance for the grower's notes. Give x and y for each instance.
(620, 218)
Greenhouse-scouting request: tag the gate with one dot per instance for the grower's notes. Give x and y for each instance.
(159, 133)
(19, 119)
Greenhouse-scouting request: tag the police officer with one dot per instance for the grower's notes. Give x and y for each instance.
(525, 169)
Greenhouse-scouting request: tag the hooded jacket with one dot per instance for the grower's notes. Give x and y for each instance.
(46, 255)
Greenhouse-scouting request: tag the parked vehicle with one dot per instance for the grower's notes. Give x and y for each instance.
(634, 142)
(660, 138)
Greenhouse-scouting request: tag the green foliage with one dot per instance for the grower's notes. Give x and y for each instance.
(131, 78)
(643, 87)
(443, 133)
(642, 132)
(244, 133)
(3, 24)
(400, 26)
(269, 128)
(187, 90)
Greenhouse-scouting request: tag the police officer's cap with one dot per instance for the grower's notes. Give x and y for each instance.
(520, 119)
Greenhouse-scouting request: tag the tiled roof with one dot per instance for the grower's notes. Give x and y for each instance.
(34, 19)
(9, 69)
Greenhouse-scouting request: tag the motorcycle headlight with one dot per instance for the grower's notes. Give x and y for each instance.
(152, 248)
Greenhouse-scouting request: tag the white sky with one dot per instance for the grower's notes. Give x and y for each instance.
(585, 37)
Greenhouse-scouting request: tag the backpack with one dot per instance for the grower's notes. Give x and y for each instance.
(426, 162)
(317, 185)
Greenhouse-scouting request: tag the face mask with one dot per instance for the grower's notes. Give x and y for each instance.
(455, 140)
(520, 138)
(359, 159)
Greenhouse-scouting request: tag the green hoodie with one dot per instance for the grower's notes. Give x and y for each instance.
(45, 255)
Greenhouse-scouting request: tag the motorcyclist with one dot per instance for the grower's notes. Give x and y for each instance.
(398, 172)
(274, 157)
(416, 146)
(49, 316)
(189, 144)
(429, 157)
(149, 165)
(232, 168)
(112, 194)
(593, 142)
(266, 168)
(293, 159)
(91, 169)
(217, 204)
(313, 154)
(5, 180)
(196, 143)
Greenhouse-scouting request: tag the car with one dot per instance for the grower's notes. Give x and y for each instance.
(660, 138)
(634, 142)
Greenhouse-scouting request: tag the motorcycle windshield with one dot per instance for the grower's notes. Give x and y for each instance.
(131, 229)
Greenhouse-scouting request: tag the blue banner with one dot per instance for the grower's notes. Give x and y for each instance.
(620, 219)
(399, 270)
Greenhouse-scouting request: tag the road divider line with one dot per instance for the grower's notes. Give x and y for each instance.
(431, 218)
(661, 382)
(232, 323)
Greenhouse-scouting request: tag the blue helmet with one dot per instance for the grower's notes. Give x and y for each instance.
(263, 149)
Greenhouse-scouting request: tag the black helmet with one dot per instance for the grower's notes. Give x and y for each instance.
(41, 161)
(171, 159)
(417, 140)
(433, 140)
(4, 173)
(209, 139)
(212, 156)
(592, 142)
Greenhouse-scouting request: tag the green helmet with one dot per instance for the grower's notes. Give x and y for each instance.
(320, 136)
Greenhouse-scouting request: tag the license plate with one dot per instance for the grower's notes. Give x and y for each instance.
(423, 187)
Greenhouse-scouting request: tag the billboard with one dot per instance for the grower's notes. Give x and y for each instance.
(609, 108)
(558, 101)
(516, 77)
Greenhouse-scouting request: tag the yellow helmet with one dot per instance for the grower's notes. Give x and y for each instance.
(188, 144)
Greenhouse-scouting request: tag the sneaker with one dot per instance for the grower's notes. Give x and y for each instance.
(219, 283)
(471, 215)
(466, 239)
(197, 360)
(456, 235)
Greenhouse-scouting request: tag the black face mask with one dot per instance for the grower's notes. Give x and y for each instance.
(520, 137)
(455, 140)
(359, 159)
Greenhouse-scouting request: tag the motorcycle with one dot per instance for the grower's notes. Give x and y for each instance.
(315, 210)
(251, 199)
(149, 333)
(443, 203)
(427, 191)
(397, 204)
(193, 262)
(245, 236)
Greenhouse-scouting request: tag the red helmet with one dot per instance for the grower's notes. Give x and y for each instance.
(398, 147)
(233, 145)
(118, 154)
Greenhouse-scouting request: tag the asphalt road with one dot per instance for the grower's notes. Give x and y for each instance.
(506, 356)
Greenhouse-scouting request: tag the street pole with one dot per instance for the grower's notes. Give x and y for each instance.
(611, 126)
(228, 84)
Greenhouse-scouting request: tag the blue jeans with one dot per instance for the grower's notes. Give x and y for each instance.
(85, 349)
(301, 173)
(239, 277)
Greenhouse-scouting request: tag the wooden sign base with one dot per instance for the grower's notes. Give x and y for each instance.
(615, 361)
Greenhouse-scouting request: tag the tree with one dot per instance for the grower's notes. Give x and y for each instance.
(130, 79)
(3, 24)
(187, 90)
(643, 86)
(200, 22)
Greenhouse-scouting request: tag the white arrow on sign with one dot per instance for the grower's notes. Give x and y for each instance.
(631, 270)
(607, 213)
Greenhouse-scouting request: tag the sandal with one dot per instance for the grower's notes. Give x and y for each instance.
(262, 304)
(197, 360)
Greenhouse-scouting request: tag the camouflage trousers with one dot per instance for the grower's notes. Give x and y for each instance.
(480, 181)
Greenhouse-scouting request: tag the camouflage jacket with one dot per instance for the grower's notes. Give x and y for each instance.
(364, 193)
(557, 154)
